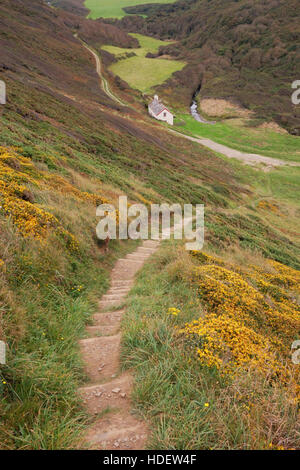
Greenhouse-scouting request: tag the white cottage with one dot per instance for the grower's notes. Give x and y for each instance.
(158, 110)
(2, 92)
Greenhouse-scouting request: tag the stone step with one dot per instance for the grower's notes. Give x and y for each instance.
(123, 289)
(144, 249)
(150, 243)
(113, 394)
(126, 284)
(120, 431)
(138, 255)
(101, 356)
(128, 266)
(143, 255)
(119, 295)
(118, 292)
(99, 330)
(108, 318)
(132, 266)
(128, 273)
(128, 262)
(105, 304)
(119, 289)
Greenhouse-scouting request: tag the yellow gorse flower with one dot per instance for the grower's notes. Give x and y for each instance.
(173, 311)
(252, 317)
(17, 175)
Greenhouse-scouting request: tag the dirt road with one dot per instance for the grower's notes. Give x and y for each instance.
(104, 83)
(248, 158)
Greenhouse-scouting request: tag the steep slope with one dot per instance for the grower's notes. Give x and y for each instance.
(65, 147)
(72, 6)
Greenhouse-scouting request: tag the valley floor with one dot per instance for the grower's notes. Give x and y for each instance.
(248, 158)
(139, 81)
(243, 135)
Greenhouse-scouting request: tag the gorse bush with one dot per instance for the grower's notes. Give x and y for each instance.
(19, 177)
(210, 338)
(252, 317)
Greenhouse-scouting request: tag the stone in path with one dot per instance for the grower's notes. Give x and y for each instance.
(117, 431)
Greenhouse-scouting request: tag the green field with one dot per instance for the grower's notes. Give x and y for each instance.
(138, 71)
(147, 44)
(113, 9)
(142, 73)
(239, 136)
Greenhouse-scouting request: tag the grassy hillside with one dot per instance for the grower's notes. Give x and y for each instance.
(51, 273)
(65, 147)
(209, 336)
(73, 6)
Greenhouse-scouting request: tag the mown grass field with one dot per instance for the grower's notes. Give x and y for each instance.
(147, 44)
(140, 72)
(143, 74)
(241, 137)
(113, 9)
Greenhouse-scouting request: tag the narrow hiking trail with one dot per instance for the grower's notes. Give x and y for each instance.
(107, 395)
(104, 82)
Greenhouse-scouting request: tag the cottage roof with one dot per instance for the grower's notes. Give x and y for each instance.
(157, 106)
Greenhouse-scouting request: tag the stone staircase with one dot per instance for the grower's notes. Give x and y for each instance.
(107, 395)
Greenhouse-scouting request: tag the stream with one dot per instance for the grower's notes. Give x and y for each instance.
(194, 109)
